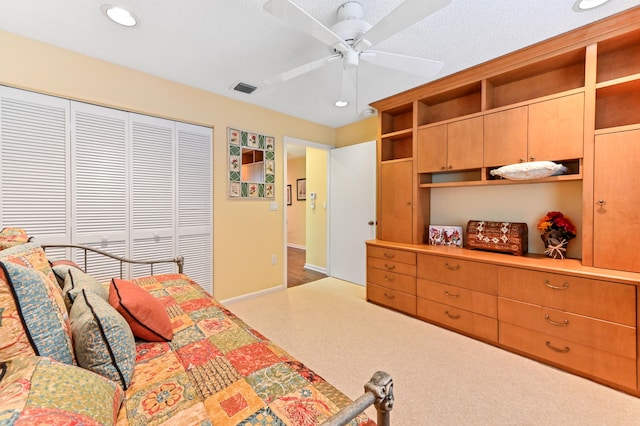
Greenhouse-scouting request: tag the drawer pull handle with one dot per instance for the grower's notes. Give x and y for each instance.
(452, 295)
(561, 350)
(564, 286)
(390, 279)
(454, 316)
(452, 268)
(389, 256)
(559, 324)
(389, 296)
(390, 267)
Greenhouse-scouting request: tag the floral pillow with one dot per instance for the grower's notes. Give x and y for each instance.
(30, 254)
(33, 318)
(102, 339)
(61, 269)
(76, 280)
(10, 237)
(40, 391)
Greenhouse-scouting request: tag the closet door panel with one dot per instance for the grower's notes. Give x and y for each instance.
(194, 194)
(99, 182)
(152, 186)
(34, 157)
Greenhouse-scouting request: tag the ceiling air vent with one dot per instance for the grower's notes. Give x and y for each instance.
(244, 88)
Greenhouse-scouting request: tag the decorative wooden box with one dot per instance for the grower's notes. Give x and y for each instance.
(504, 237)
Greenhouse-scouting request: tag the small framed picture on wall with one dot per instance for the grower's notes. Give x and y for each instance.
(301, 189)
(288, 195)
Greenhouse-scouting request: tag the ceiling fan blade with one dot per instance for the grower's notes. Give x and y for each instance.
(410, 64)
(302, 69)
(294, 16)
(408, 13)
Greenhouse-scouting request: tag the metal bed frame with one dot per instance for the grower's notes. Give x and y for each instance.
(377, 392)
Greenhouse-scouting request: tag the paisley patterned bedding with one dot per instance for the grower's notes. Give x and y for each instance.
(219, 371)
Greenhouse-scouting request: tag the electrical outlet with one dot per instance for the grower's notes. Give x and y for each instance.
(274, 259)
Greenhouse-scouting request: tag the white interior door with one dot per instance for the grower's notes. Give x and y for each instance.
(352, 205)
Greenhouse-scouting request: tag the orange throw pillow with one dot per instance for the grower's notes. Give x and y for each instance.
(145, 315)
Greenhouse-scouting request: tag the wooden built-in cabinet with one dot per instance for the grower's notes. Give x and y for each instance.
(573, 99)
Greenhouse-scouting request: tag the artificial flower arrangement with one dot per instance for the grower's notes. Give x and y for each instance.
(557, 229)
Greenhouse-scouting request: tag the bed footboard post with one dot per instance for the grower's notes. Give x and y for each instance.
(180, 263)
(381, 386)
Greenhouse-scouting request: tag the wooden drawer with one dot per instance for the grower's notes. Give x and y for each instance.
(474, 301)
(461, 273)
(392, 280)
(587, 331)
(392, 266)
(605, 365)
(600, 299)
(401, 256)
(392, 298)
(473, 324)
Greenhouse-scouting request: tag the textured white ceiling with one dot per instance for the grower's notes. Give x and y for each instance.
(213, 44)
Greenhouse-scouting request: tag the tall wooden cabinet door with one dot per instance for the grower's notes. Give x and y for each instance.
(432, 149)
(616, 221)
(464, 144)
(396, 202)
(556, 128)
(505, 137)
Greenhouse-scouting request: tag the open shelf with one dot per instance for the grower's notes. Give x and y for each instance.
(454, 103)
(397, 145)
(618, 102)
(397, 119)
(557, 74)
(618, 57)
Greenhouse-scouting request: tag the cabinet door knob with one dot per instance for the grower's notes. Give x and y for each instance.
(601, 203)
(443, 168)
(532, 158)
(450, 167)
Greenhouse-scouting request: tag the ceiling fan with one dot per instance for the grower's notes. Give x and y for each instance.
(351, 38)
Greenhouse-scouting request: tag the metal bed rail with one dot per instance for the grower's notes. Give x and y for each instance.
(179, 260)
(377, 391)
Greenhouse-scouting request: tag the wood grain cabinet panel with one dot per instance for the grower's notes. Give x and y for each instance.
(390, 254)
(477, 325)
(599, 299)
(473, 301)
(392, 280)
(395, 222)
(391, 298)
(505, 137)
(607, 366)
(461, 273)
(602, 335)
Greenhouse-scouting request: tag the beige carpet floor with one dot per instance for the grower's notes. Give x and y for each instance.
(440, 377)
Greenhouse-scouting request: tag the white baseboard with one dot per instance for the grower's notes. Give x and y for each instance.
(316, 268)
(232, 300)
(297, 246)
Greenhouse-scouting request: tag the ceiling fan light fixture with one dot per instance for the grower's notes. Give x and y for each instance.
(340, 103)
(119, 15)
(582, 5)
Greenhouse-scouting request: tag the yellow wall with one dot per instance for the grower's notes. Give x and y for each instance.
(296, 212)
(362, 131)
(317, 217)
(246, 233)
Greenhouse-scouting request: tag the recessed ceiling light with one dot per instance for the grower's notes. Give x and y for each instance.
(119, 15)
(588, 4)
(341, 104)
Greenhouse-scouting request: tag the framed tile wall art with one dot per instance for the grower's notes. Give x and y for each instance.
(251, 165)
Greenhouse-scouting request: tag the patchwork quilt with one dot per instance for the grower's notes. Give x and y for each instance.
(219, 371)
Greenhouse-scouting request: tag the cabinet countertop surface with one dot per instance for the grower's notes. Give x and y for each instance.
(536, 262)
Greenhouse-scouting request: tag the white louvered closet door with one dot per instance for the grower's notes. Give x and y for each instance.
(99, 185)
(152, 191)
(33, 161)
(194, 193)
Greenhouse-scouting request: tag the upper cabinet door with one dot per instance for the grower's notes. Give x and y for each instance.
(432, 149)
(556, 128)
(464, 148)
(505, 137)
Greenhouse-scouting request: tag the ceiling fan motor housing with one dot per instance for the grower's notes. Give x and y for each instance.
(350, 27)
